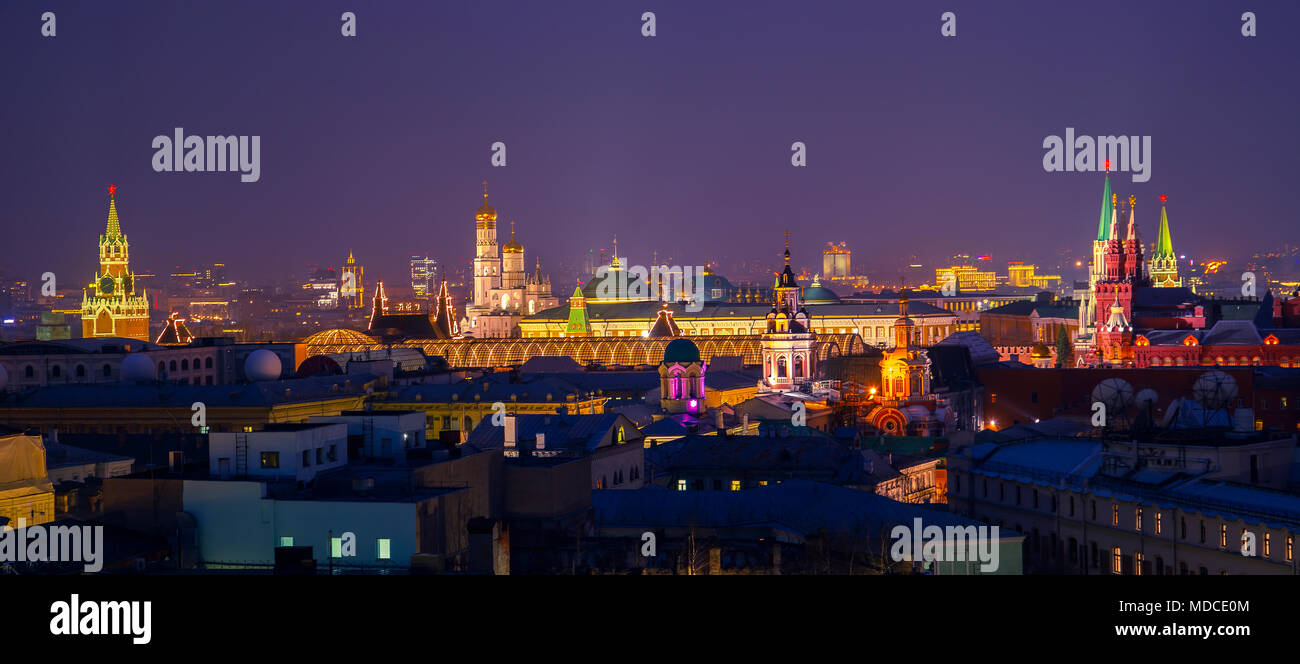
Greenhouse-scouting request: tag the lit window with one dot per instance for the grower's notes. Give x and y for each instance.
(1137, 563)
(1159, 523)
(1267, 548)
(1114, 514)
(1138, 520)
(735, 485)
(1223, 535)
(271, 460)
(384, 550)
(286, 541)
(681, 485)
(1117, 561)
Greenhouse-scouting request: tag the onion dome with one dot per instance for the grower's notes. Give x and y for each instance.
(513, 246)
(681, 351)
(485, 212)
(1040, 351)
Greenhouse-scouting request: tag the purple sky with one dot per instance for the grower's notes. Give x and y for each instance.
(680, 142)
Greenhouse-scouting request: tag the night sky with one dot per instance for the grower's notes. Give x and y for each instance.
(680, 142)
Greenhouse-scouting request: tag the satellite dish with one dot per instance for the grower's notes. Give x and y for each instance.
(1146, 398)
(1214, 390)
(136, 368)
(1116, 393)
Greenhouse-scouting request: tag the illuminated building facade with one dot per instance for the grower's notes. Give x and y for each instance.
(109, 304)
(1025, 276)
(968, 278)
(906, 405)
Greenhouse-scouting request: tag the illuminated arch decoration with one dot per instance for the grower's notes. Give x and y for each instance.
(890, 421)
(608, 350)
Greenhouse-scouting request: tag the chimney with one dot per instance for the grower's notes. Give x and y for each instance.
(176, 461)
(511, 434)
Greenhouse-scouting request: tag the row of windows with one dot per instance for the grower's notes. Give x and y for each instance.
(184, 365)
(383, 547)
(698, 485)
(56, 371)
(1158, 525)
(619, 478)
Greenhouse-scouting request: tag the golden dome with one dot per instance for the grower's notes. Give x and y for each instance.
(485, 212)
(1040, 351)
(513, 246)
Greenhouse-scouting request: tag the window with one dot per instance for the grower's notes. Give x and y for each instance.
(1117, 561)
(1035, 498)
(1202, 531)
(1137, 563)
(717, 485)
(333, 453)
(286, 541)
(108, 371)
(1137, 520)
(1290, 543)
(207, 364)
(1159, 523)
(81, 371)
(1094, 510)
(1182, 527)
(272, 460)
(336, 547)
(384, 549)
(306, 458)
(1266, 545)
(1114, 514)
(735, 485)
(320, 455)
(1071, 505)
(1223, 535)
(1017, 494)
(681, 485)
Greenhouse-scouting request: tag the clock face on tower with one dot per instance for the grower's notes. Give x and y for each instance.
(106, 285)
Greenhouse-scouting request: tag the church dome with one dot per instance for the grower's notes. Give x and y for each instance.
(513, 246)
(681, 351)
(819, 294)
(1040, 351)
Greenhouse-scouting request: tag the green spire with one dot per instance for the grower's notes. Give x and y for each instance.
(1103, 226)
(578, 323)
(114, 229)
(1165, 244)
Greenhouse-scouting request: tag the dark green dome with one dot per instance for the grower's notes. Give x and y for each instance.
(681, 351)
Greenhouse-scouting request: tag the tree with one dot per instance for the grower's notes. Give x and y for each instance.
(1063, 347)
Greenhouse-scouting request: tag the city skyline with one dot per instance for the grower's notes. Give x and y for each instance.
(688, 143)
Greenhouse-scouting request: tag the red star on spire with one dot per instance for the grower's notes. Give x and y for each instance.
(112, 189)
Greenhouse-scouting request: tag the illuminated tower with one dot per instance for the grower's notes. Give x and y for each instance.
(487, 261)
(1097, 266)
(109, 304)
(351, 285)
(512, 262)
(787, 344)
(904, 371)
(1164, 263)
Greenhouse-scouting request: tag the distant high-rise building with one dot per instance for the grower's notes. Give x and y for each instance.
(352, 285)
(109, 304)
(424, 273)
(835, 261)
